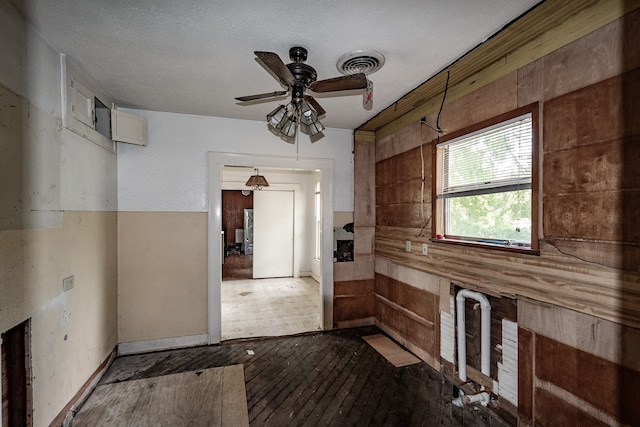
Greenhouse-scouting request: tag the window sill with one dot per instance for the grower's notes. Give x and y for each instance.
(487, 245)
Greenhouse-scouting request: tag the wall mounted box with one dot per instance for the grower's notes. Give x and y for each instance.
(85, 111)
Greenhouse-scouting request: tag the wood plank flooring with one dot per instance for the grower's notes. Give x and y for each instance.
(237, 267)
(319, 379)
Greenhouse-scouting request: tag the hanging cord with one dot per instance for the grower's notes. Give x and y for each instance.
(424, 223)
(297, 117)
(446, 88)
(438, 129)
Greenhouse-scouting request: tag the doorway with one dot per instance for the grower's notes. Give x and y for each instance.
(324, 168)
(237, 262)
(16, 376)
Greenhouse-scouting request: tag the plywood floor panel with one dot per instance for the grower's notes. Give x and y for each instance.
(391, 351)
(210, 397)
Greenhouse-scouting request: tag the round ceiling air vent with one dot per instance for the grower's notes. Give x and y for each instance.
(360, 61)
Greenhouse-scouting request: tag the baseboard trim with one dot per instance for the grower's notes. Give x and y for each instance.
(355, 323)
(422, 354)
(68, 412)
(147, 346)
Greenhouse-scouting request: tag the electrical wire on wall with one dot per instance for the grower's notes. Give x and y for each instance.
(424, 223)
(439, 131)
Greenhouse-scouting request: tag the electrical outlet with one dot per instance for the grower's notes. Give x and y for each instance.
(424, 249)
(67, 283)
(408, 245)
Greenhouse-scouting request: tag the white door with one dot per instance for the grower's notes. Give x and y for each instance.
(272, 234)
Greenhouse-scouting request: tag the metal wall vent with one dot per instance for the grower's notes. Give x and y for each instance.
(360, 61)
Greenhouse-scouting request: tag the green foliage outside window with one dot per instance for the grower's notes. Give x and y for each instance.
(487, 184)
(501, 216)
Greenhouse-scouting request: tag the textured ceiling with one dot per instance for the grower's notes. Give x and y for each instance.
(195, 57)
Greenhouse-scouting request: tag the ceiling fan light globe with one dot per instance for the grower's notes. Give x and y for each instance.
(275, 117)
(307, 115)
(315, 127)
(288, 126)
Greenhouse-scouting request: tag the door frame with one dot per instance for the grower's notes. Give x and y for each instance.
(216, 161)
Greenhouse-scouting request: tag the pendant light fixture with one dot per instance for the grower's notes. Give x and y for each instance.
(257, 181)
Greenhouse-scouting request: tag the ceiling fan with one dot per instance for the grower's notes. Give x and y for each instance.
(299, 78)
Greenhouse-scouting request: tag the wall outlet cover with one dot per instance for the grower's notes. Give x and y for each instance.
(408, 245)
(67, 283)
(425, 249)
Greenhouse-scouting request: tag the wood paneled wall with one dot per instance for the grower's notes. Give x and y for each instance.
(353, 295)
(589, 261)
(410, 314)
(576, 369)
(590, 183)
(590, 200)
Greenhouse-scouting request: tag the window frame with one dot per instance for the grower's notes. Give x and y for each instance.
(438, 204)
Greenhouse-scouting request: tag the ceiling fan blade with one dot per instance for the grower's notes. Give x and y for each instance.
(314, 104)
(275, 64)
(261, 96)
(348, 82)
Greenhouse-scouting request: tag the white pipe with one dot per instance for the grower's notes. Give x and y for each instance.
(482, 397)
(485, 333)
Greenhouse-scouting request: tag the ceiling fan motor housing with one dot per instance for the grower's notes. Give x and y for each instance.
(303, 73)
(298, 54)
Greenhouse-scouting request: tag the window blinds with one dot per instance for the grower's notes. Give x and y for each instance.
(494, 159)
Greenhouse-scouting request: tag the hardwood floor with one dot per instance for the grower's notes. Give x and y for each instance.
(237, 267)
(326, 379)
(212, 397)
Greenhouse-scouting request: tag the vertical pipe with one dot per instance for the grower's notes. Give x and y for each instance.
(462, 342)
(485, 332)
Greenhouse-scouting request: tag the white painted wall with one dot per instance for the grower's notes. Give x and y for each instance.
(46, 171)
(65, 172)
(170, 173)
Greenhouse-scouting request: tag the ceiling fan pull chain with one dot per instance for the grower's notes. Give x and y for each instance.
(367, 99)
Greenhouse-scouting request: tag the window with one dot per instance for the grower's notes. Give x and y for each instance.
(485, 183)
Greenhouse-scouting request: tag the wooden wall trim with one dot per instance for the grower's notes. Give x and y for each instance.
(87, 388)
(553, 24)
(365, 136)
